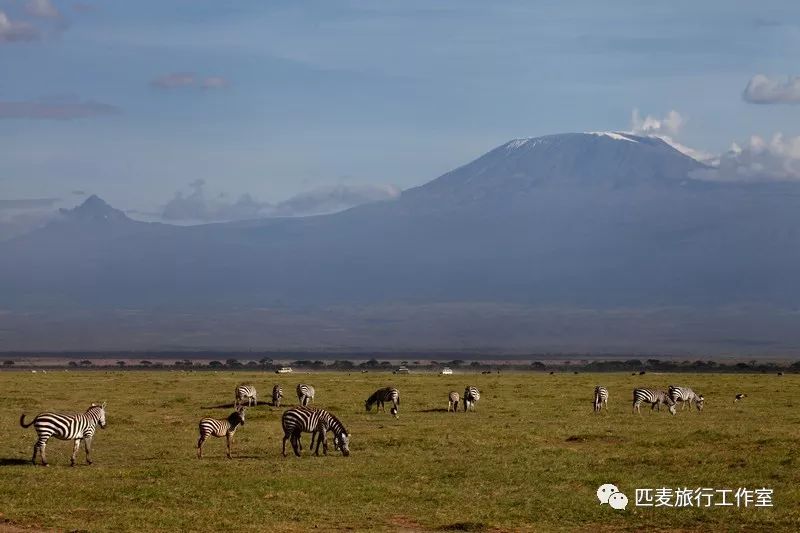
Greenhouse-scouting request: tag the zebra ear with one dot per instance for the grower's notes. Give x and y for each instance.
(93, 405)
(104, 405)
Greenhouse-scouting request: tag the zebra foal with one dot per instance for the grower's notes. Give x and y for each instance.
(246, 392)
(212, 427)
(452, 401)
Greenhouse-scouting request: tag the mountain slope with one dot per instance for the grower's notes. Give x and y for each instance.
(600, 220)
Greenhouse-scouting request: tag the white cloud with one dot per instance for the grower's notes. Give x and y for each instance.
(763, 90)
(758, 160)
(666, 129)
(670, 125)
(196, 206)
(42, 9)
(16, 31)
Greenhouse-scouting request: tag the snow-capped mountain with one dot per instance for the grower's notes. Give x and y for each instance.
(581, 220)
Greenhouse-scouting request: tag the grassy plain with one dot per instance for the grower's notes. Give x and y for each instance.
(530, 457)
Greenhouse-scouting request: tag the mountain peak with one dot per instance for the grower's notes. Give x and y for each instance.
(94, 209)
(604, 159)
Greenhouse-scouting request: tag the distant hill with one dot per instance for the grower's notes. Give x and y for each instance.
(602, 221)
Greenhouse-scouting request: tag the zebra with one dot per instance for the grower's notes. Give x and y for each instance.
(386, 394)
(654, 397)
(318, 422)
(78, 427)
(685, 395)
(453, 400)
(212, 427)
(739, 396)
(277, 394)
(600, 398)
(246, 392)
(305, 393)
(471, 397)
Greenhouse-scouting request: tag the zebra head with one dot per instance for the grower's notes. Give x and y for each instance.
(100, 412)
(368, 404)
(236, 418)
(699, 403)
(342, 442)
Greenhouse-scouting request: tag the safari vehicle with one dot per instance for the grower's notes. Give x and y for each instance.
(446, 372)
(284, 370)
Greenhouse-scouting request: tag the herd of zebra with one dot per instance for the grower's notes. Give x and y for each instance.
(294, 421)
(655, 397)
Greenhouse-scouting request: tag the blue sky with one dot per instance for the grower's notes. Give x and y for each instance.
(134, 101)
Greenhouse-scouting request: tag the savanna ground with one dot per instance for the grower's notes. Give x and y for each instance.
(531, 457)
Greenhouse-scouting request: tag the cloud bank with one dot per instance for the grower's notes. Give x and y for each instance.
(196, 206)
(763, 90)
(55, 110)
(19, 216)
(667, 129)
(181, 80)
(758, 160)
(12, 31)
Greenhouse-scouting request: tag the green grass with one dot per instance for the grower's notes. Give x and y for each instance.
(531, 457)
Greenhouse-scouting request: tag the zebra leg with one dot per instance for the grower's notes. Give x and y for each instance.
(285, 438)
(76, 445)
(200, 443)
(87, 446)
(296, 444)
(42, 453)
(228, 445)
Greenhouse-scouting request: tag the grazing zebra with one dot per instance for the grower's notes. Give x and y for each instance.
(305, 393)
(79, 427)
(600, 398)
(652, 396)
(277, 394)
(246, 392)
(212, 427)
(453, 400)
(739, 397)
(386, 394)
(471, 397)
(318, 422)
(685, 395)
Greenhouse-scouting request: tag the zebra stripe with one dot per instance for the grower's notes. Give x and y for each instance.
(277, 394)
(600, 398)
(318, 422)
(686, 396)
(654, 397)
(246, 392)
(453, 399)
(78, 427)
(212, 427)
(305, 393)
(387, 394)
(471, 397)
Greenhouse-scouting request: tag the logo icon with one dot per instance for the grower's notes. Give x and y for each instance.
(610, 494)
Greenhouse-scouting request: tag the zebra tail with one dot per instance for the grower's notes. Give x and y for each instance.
(22, 421)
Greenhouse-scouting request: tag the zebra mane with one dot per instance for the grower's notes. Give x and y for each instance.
(335, 425)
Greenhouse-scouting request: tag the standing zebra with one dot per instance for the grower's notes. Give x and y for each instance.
(654, 397)
(386, 394)
(212, 427)
(453, 400)
(471, 397)
(305, 393)
(600, 398)
(246, 392)
(79, 427)
(318, 422)
(685, 395)
(277, 394)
